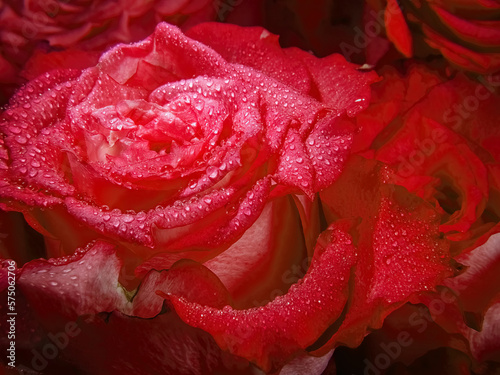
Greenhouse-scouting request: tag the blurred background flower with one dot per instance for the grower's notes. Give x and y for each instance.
(41, 26)
(465, 32)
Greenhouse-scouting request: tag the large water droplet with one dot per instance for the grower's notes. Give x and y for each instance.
(212, 172)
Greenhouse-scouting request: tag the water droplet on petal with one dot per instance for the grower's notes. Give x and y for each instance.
(212, 172)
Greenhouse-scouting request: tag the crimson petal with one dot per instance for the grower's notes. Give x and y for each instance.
(397, 233)
(270, 335)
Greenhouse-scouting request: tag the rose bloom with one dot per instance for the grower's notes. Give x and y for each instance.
(39, 26)
(466, 33)
(203, 161)
(439, 136)
(453, 330)
(176, 186)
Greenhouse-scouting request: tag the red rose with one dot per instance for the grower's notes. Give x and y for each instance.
(170, 153)
(40, 26)
(194, 163)
(64, 24)
(166, 134)
(467, 33)
(454, 327)
(440, 140)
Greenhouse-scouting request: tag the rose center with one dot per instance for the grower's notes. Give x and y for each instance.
(160, 125)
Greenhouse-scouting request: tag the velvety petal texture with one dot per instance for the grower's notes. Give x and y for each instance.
(321, 294)
(91, 25)
(167, 145)
(439, 138)
(79, 304)
(435, 138)
(205, 201)
(174, 162)
(398, 239)
(456, 325)
(30, 28)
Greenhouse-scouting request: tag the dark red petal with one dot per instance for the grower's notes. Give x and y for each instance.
(470, 307)
(464, 57)
(482, 274)
(8, 71)
(270, 335)
(421, 143)
(256, 48)
(115, 344)
(70, 37)
(485, 345)
(424, 147)
(307, 364)
(398, 235)
(185, 278)
(171, 7)
(485, 6)
(18, 240)
(377, 45)
(392, 97)
(42, 62)
(478, 293)
(481, 33)
(397, 28)
(338, 84)
(408, 334)
(477, 125)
